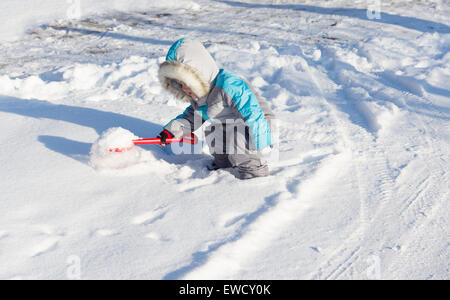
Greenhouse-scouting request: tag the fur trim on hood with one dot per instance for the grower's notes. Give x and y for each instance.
(189, 62)
(175, 70)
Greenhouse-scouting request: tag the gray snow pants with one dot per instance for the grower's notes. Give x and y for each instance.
(233, 149)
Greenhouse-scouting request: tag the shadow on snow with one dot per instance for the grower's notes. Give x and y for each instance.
(357, 13)
(87, 117)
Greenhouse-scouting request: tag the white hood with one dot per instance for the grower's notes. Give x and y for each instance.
(188, 61)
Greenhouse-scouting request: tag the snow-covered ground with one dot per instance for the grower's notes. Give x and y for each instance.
(361, 187)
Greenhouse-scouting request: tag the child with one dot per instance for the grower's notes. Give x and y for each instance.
(239, 119)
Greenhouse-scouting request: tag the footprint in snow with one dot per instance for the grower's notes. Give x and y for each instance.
(156, 237)
(149, 217)
(106, 232)
(45, 246)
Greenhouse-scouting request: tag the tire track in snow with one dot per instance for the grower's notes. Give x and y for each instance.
(426, 199)
(364, 152)
(351, 250)
(418, 192)
(420, 210)
(429, 201)
(349, 260)
(426, 193)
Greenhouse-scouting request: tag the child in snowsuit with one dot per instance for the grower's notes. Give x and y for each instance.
(239, 126)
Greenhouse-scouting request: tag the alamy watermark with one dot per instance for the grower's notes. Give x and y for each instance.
(373, 271)
(74, 10)
(73, 271)
(374, 9)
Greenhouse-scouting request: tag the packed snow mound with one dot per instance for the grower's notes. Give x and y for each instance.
(103, 159)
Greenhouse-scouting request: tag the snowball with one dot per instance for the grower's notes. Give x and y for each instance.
(102, 158)
(131, 162)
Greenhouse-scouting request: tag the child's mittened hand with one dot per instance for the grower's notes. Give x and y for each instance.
(164, 135)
